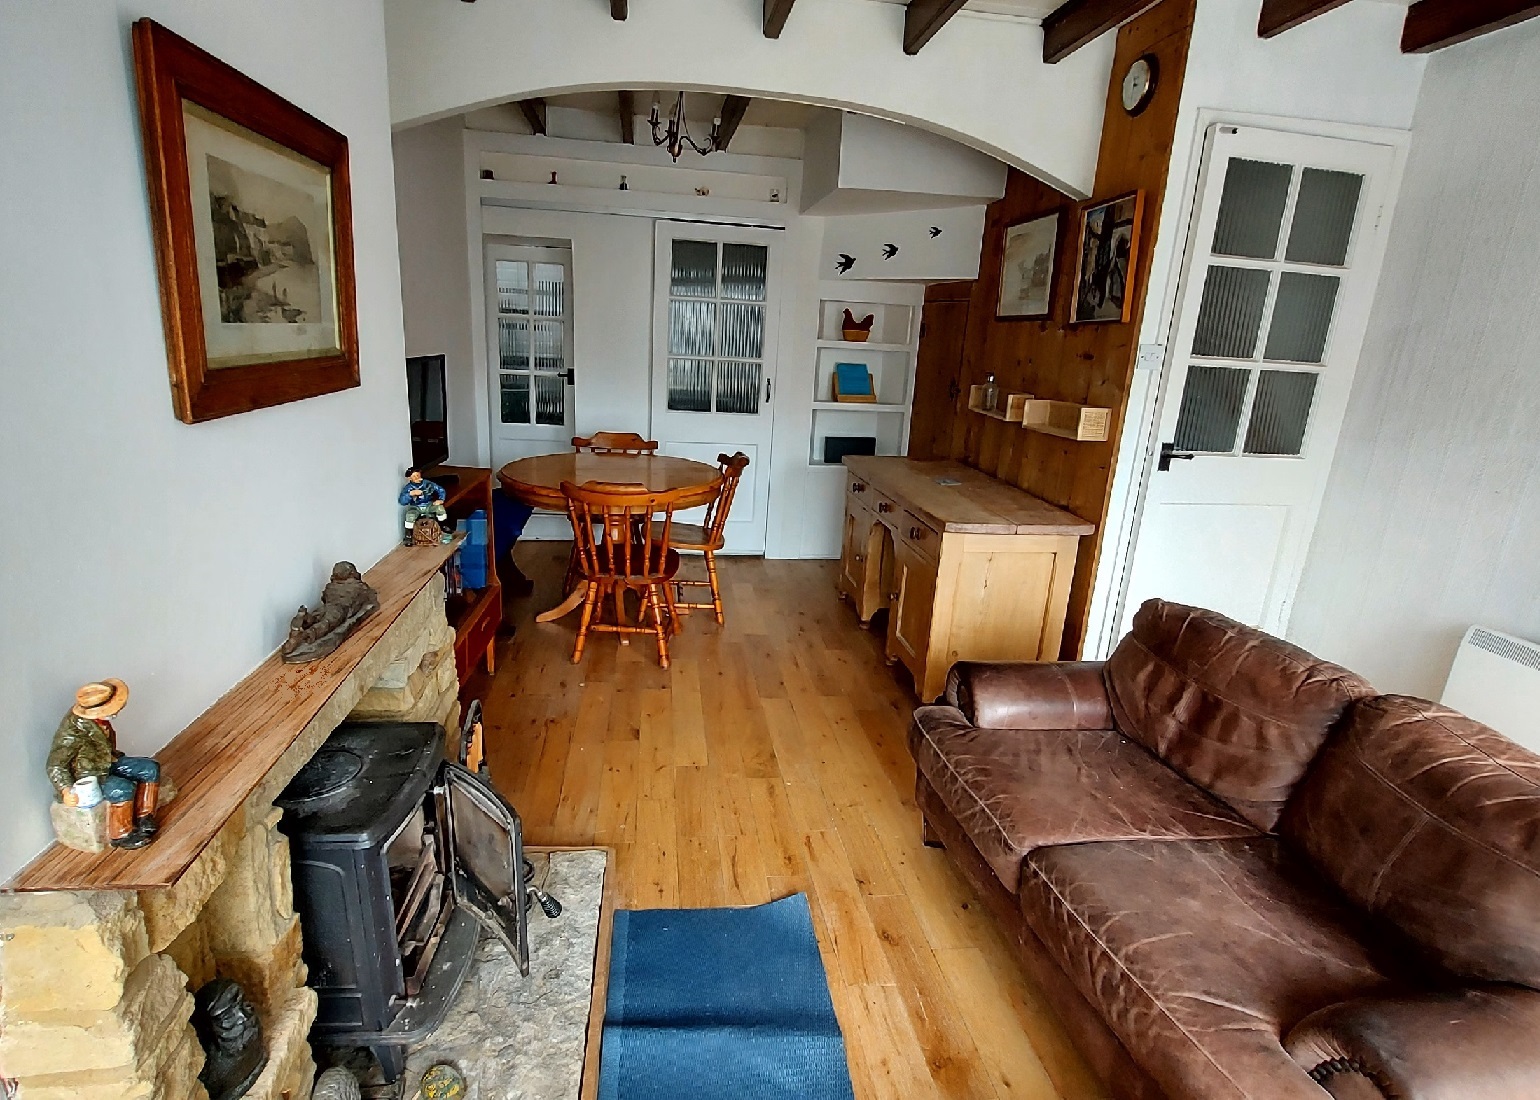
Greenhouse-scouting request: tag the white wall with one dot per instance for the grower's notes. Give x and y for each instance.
(951, 254)
(430, 223)
(1432, 515)
(880, 165)
(170, 555)
(980, 81)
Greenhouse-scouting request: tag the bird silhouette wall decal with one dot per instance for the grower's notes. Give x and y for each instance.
(889, 251)
(935, 231)
(845, 262)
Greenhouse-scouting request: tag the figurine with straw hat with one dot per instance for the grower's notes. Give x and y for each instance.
(85, 767)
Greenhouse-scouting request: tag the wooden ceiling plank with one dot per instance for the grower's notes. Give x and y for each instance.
(733, 108)
(534, 114)
(776, 12)
(923, 18)
(1284, 15)
(1077, 22)
(619, 9)
(628, 117)
(1433, 24)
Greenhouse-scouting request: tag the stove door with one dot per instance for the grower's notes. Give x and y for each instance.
(485, 845)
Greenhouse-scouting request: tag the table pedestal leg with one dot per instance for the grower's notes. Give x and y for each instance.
(573, 601)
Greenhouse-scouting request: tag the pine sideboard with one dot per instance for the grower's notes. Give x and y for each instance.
(968, 567)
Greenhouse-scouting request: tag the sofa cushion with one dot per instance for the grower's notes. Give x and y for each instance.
(1431, 821)
(1235, 710)
(1200, 955)
(1016, 790)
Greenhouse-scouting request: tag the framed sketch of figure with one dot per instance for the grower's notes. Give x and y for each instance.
(1026, 269)
(1109, 247)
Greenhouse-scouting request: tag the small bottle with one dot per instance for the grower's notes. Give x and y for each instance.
(991, 393)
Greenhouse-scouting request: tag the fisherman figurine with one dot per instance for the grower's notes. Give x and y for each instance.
(85, 746)
(420, 498)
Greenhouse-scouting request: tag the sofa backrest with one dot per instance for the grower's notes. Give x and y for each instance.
(1431, 821)
(1238, 712)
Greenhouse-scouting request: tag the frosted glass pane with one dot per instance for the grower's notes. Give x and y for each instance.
(1211, 409)
(1323, 217)
(693, 273)
(1251, 209)
(738, 387)
(1280, 412)
(515, 399)
(548, 346)
(1302, 317)
(689, 385)
(550, 400)
(513, 343)
(1231, 313)
(550, 290)
(690, 328)
(743, 331)
(512, 286)
(743, 272)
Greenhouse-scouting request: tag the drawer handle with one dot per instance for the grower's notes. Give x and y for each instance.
(917, 532)
(858, 487)
(884, 506)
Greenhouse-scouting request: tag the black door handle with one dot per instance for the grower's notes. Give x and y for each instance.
(1168, 452)
(571, 374)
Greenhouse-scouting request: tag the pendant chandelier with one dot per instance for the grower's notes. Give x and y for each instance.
(675, 137)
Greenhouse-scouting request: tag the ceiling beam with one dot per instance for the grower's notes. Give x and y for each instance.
(923, 18)
(1074, 24)
(628, 117)
(534, 114)
(1284, 15)
(732, 115)
(776, 12)
(619, 9)
(1433, 24)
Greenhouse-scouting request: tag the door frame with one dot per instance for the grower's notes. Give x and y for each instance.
(1149, 381)
(537, 433)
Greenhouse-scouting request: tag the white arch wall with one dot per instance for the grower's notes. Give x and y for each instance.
(981, 80)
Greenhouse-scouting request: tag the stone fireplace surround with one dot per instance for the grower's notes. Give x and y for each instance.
(96, 985)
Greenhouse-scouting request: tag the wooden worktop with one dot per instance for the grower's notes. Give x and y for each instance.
(230, 748)
(976, 504)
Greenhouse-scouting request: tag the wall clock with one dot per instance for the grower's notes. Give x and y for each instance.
(1139, 84)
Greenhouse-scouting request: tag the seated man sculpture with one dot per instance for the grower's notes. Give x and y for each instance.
(346, 601)
(84, 766)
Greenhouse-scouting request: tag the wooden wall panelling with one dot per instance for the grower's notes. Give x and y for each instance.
(1089, 364)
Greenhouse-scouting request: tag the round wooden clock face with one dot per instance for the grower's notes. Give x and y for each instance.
(1139, 84)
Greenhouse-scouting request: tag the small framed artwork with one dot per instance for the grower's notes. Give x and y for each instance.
(1026, 269)
(253, 224)
(1109, 250)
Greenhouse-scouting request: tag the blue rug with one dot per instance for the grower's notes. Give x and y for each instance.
(720, 1003)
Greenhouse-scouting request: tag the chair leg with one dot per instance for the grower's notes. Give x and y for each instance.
(675, 623)
(716, 592)
(620, 611)
(657, 624)
(589, 600)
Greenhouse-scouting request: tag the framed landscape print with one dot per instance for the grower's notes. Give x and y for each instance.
(1109, 248)
(1026, 269)
(253, 221)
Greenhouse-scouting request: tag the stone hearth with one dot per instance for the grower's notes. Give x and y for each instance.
(95, 986)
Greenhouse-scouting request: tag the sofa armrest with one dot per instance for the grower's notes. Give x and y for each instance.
(1457, 1045)
(1062, 695)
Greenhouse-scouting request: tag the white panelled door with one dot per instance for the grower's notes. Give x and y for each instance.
(529, 349)
(715, 316)
(1281, 267)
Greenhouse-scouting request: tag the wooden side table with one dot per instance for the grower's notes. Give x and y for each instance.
(474, 614)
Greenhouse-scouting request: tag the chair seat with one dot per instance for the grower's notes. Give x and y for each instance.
(688, 536)
(1200, 955)
(661, 568)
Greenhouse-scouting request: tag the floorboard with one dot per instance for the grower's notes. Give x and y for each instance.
(769, 758)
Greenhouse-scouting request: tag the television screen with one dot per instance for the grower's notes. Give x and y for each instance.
(426, 398)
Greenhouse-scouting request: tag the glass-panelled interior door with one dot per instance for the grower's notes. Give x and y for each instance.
(1280, 274)
(529, 349)
(713, 365)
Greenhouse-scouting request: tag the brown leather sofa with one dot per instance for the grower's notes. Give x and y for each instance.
(1237, 872)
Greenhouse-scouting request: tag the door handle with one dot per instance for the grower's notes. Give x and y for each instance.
(571, 375)
(953, 390)
(1168, 452)
(768, 384)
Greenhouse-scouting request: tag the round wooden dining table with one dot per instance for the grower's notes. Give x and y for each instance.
(537, 481)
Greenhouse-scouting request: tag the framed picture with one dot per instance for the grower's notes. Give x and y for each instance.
(253, 225)
(1026, 269)
(1109, 249)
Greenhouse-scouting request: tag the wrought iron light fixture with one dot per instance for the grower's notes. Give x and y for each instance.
(676, 136)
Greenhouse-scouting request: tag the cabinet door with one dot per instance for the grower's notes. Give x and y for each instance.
(861, 561)
(938, 380)
(914, 595)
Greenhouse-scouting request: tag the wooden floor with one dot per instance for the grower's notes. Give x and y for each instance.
(770, 758)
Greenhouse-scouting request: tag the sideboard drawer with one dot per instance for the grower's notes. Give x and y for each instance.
(919, 534)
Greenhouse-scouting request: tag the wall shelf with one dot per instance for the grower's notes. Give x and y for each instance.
(1068, 420)
(889, 357)
(858, 406)
(864, 345)
(1015, 404)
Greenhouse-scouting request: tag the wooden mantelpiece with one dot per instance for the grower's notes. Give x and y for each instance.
(219, 760)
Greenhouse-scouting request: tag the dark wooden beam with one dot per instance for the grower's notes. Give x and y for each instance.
(776, 12)
(628, 117)
(619, 9)
(1284, 15)
(1433, 24)
(1074, 24)
(732, 115)
(923, 18)
(534, 114)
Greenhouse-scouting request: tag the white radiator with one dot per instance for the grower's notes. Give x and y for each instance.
(1496, 679)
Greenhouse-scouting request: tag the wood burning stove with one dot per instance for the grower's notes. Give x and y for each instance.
(400, 858)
